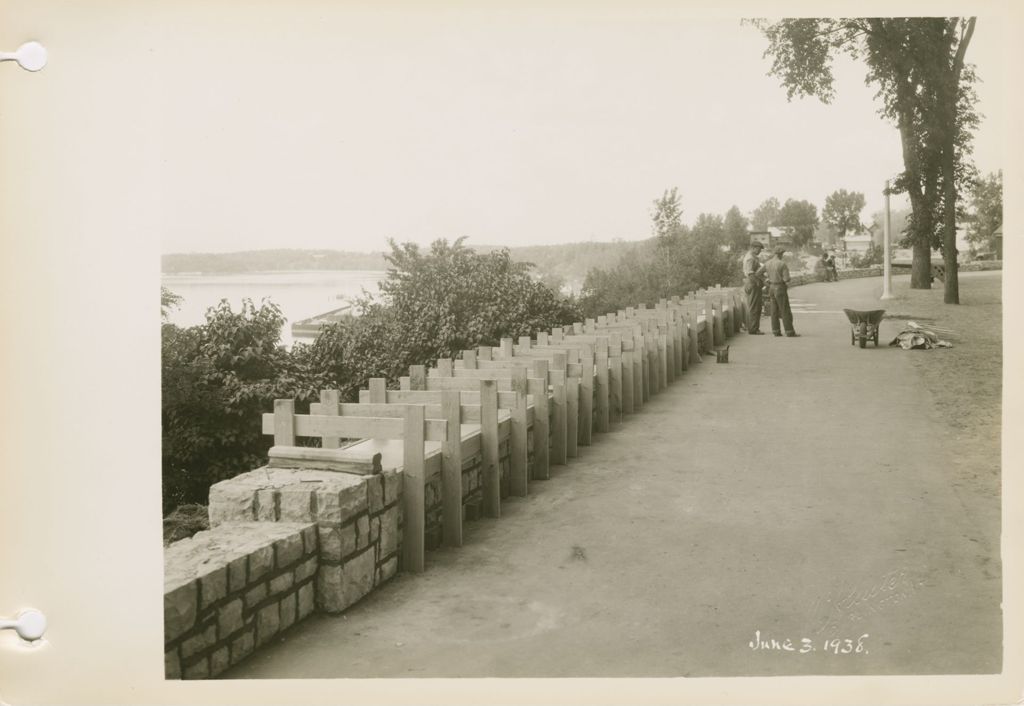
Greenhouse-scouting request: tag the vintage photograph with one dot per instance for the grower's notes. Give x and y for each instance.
(470, 357)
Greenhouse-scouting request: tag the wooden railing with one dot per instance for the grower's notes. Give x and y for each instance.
(568, 384)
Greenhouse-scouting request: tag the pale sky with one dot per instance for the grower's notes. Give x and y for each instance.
(339, 127)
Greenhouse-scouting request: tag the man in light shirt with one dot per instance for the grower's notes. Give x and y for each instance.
(778, 294)
(752, 285)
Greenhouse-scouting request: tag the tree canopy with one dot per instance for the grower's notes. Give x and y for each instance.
(737, 235)
(766, 214)
(986, 210)
(926, 88)
(842, 211)
(799, 219)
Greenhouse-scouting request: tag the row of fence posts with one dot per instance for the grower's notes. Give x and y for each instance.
(569, 383)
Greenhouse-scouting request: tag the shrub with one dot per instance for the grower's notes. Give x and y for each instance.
(218, 378)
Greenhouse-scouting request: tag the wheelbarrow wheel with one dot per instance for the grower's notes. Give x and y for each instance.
(863, 334)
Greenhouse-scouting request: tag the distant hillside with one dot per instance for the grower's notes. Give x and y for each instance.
(567, 263)
(270, 260)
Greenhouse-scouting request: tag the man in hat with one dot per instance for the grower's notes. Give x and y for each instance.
(753, 282)
(778, 296)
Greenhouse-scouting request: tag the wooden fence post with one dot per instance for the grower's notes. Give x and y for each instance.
(417, 377)
(601, 387)
(586, 396)
(284, 422)
(451, 467)
(413, 525)
(538, 387)
(329, 400)
(491, 460)
(519, 480)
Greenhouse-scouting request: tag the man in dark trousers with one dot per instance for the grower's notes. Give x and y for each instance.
(753, 272)
(778, 295)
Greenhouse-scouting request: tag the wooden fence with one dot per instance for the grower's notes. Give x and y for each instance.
(566, 385)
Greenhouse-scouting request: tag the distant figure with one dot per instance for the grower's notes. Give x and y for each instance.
(778, 294)
(753, 280)
(829, 263)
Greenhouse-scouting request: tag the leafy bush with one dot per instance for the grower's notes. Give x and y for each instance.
(217, 380)
(872, 256)
(219, 377)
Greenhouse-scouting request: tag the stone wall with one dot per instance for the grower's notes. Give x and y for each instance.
(357, 519)
(231, 589)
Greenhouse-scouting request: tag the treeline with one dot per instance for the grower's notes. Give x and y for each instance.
(678, 259)
(270, 260)
(566, 264)
(563, 265)
(219, 377)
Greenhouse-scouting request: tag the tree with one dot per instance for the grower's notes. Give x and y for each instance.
(918, 65)
(678, 259)
(842, 211)
(766, 214)
(986, 210)
(168, 301)
(737, 233)
(666, 218)
(799, 219)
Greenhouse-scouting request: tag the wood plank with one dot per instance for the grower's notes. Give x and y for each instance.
(351, 427)
(451, 469)
(341, 460)
(413, 477)
(491, 467)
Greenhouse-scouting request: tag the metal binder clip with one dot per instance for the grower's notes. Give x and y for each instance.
(30, 56)
(30, 625)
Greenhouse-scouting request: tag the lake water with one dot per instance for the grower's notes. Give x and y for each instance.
(298, 294)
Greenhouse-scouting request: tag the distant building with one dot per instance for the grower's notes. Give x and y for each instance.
(771, 236)
(857, 243)
(997, 241)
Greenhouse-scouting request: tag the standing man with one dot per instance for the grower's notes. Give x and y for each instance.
(752, 284)
(778, 295)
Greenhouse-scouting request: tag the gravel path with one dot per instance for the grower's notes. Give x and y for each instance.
(803, 492)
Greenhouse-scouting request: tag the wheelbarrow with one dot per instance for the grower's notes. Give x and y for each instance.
(864, 325)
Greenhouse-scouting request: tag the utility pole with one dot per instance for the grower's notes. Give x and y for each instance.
(887, 251)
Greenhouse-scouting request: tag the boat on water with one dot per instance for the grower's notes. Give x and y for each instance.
(307, 330)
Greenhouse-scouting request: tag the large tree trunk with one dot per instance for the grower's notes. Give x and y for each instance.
(951, 293)
(921, 265)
